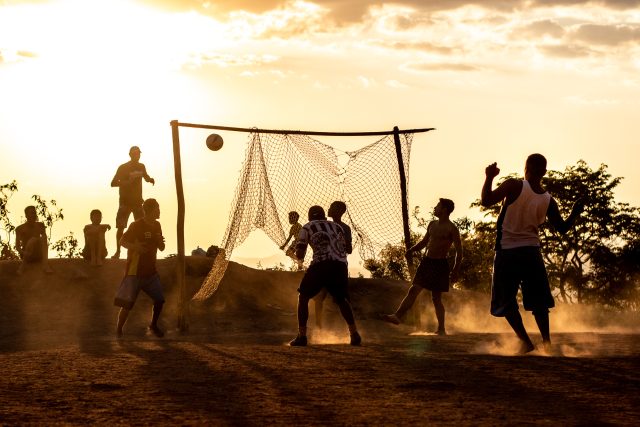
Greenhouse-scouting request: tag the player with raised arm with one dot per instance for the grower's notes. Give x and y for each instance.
(518, 261)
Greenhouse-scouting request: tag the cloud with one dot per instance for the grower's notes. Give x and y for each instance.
(540, 28)
(419, 46)
(565, 51)
(227, 60)
(439, 66)
(608, 35)
(10, 56)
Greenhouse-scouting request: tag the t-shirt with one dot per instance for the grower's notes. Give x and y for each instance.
(326, 238)
(347, 236)
(143, 264)
(130, 192)
(518, 222)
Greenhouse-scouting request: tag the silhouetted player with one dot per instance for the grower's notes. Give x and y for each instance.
(31, 241)
(142, 240)
(293, 234)
(328, 269)
(128, 178)
(518, 261)
(433, 271)
(335, 212)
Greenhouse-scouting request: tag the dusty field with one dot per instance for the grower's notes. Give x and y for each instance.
(59, 362)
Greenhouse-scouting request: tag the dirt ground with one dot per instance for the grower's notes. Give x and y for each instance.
(61, 364)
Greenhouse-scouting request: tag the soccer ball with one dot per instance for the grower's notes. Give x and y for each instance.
(214, 142)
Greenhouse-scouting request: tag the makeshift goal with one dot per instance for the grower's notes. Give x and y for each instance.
(287, 171)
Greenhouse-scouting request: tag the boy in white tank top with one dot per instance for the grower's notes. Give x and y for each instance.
(518, 262)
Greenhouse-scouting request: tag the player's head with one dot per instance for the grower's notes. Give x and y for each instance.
(447, 205)
(337, 209)
(95, 216)
(151, 208)
(316, 212)
(535, 166)
(293, 217)
(30, 213)
(134, 152)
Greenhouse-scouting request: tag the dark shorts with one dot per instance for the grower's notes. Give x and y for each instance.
(433, 274)
(331, 275)
(122, 217)
(519, 267)
(131, 286)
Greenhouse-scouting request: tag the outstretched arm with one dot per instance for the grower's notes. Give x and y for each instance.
(559, 224)
(286, 241)
(422, 243)
(147, 178)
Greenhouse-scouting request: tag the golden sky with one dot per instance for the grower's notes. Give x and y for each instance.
(81, 81)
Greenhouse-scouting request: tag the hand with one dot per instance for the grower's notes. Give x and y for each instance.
(107, 226)
(159, 239)
(282, 247)
(492, 170)
(152, 181)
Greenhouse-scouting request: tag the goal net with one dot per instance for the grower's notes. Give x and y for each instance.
(285, 172)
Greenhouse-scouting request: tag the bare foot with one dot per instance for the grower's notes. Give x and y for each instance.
(440, 332)
(116, 255)
(525, 347)
(156, 331)
(391, 318)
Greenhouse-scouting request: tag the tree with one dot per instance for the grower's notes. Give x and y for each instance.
(48, 212)
(6, 192)
(615, 276)
(478, 241)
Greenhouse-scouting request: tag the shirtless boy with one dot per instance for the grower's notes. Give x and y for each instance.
(31, 241)
(433, 271)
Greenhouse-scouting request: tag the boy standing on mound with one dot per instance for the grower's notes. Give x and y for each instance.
(293, 234)
(518, 261)
(433, 271)
(142, 240)
(328, 269)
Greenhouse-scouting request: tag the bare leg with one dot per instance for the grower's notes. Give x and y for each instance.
(515, 320)
(122, 318)
(155, 315)
(303, 314)
(405, 305)
(408, 300)
(319, 305)
(119, 233)
(542, 319)
(347, 313)
(436, 297)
